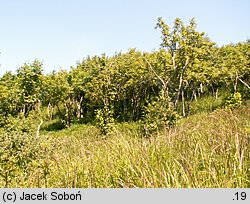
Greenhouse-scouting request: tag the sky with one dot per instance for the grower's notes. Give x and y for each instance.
(61, 33)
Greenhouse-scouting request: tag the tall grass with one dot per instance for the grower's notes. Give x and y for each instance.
(207, 103)
(204, 150)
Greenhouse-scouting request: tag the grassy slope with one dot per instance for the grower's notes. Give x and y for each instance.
(204, 150)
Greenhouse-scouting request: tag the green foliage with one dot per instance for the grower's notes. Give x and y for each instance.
(190, 52)
(208, 103)
(9, 98)
(233, 100)
(53, 125)
(208, 150)
(105, 120)
(29, 80)
(19, 151)
(19, 124)
(183, 77)
(158, 114)
(244, 91)
(188, 66)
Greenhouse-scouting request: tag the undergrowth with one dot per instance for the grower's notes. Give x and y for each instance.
(203, 150)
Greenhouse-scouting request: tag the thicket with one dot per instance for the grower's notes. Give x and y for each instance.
(154, 88)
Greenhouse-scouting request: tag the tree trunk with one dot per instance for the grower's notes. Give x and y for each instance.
(180, 84)
(79, 109)
(183, 103)
(50, 111)
(124, 109)
(216, 93)
(235, 84)
(59, 111)
(68, 106)
(201, 86)
(178, 92)
(38, 128)
(26, 109)
(194, 94)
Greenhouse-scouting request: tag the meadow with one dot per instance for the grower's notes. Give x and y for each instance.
(203, 150)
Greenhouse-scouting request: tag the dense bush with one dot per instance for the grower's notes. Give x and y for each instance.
(105, 120)
(21, 153)
(17, 151)
(233, 100)
(157, 115)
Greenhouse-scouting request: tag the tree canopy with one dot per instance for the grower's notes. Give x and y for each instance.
(127, 86)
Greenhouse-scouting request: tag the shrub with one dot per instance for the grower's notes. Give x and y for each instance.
(18, 150)
(245, 92)
(105, 120)
(158, 114)
(21, 123)
(232, 101)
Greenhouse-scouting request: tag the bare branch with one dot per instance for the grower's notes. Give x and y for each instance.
(244, 83)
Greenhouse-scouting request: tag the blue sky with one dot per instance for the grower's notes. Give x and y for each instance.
(61, 33)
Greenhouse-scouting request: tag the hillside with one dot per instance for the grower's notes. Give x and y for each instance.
(173, 117)
(203, 150)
